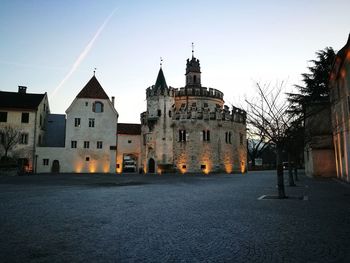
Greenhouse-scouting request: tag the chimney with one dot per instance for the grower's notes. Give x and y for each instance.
(113, 100)
(22, 89)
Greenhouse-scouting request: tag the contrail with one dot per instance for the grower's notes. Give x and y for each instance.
(83, 54)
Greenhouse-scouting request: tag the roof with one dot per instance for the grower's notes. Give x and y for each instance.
(93, 90)
(18, 100)
(55, 130)
(129, 128)
(160, 82)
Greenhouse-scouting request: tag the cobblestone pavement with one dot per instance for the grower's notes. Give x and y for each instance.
(216, 218)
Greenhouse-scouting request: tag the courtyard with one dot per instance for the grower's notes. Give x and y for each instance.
(172, 218)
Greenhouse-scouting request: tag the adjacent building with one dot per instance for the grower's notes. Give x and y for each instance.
(89, 134)
(190, 129)
(340, 110)
(27, 114)
(128, 147)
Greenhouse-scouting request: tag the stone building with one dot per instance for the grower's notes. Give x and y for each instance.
(190, 129)
(27, 113)
(340, 110)
(318, 149)
(88, 132)
(128, 147)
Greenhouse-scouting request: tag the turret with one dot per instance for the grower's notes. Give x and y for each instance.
(193, 72)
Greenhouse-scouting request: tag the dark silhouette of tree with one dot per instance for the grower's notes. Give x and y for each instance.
(9, 138)
(268, 114)
(316, 83)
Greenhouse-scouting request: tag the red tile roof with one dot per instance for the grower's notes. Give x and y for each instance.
(93, 90)
(129, 128)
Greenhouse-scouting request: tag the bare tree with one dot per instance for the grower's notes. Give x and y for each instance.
(9, 138)
(268, 114)
(257, 143)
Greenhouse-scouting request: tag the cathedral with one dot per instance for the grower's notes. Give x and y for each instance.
(190, 129)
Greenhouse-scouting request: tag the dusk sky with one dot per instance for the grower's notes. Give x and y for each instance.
(54, 46)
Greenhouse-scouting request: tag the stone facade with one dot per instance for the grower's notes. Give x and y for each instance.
(90, 136)
(27, 113)
(340, 110)
(319, 150)
(190, 130)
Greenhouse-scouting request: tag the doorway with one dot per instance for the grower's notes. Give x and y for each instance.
(55, 166)
(151, 166)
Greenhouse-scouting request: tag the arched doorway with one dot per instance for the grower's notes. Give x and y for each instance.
(151, 166)
(55, 166)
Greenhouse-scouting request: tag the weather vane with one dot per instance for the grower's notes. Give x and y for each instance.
(161, 61)
(94, 71)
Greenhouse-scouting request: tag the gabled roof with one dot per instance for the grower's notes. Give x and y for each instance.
(93, 90)
(160, 82)
(18, 100)
(129, 128)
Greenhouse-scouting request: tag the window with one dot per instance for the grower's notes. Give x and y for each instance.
(91, 122)
(228, 136)
(97, 107)
(86, 103)
(41, 120)
(3, 116)
(73, 144)
(205, 105)
(87, 159)
(2, 138)
(77, 122)
(24, 138)
(182, 135)
(170, 113)
(129, 141)
(159, 113)
(203, 167)
(144, 139)
(206, 135)
(241, 139)
(45, 162)
(25, 117)
(99, 144)
(86, 144)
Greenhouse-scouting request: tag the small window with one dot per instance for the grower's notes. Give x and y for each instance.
(86, 144)
(159, 113)
(3, 116)
(241, 139)
(182, 135)
(184, 166)
(45, 162)
(87, 159)
(77, 122)
(91, 122)
(99, 144)
(203, 166)
(170, 113)
(129, 141)
(73, 144)
(205, 105)
(206, 135)
(41, 120)
(97, 107)
(24, 138)
(144, 139)
(86, 103)
(25, 117)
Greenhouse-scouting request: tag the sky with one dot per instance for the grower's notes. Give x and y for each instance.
(54, 46)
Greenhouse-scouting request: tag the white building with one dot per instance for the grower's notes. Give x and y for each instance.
(27, 113)
(90, 135)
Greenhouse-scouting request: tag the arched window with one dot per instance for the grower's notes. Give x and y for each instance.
(97, 107)
(194, 79)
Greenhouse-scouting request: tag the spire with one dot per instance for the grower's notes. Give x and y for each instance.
(160, 82)
(192, 50)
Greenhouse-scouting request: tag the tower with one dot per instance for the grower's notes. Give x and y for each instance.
(193, 71)
(157, 150)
